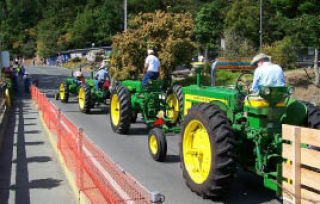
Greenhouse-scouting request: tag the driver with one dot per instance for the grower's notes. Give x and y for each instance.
(266, 73)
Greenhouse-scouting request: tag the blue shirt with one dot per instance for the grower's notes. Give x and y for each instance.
(153, 63)
(268, 74)
(102, 75)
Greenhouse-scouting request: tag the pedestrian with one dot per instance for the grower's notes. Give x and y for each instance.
(151, 68)
(266, 73)
(213, 71)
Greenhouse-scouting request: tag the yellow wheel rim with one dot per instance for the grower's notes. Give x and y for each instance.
(153, 145)
(81, 98)
(115, 109)
(61, 89)
(173, 103)
(197, 151)
(7, 97)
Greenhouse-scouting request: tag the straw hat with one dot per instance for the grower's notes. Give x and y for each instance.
(259, 57)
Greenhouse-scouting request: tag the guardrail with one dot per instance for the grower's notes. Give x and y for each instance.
(301, 150)
(96, 175)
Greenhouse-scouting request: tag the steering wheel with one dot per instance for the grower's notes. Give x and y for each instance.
(242, 85)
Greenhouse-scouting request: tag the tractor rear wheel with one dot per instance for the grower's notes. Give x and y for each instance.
(8, 98)
(174, 99)
(207, 150)
(120, 109)
(134, 117)
(64, 92)
(313, 120)
(85, 98)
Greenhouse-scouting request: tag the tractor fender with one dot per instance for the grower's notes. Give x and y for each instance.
(296, 113)
(223, 107)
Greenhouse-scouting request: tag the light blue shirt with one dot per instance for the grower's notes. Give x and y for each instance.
(268, 74)
(153, 63)
(102, 75)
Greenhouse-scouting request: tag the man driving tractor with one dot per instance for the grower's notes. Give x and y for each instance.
(266, 73)
(101, 75)
(151, 68)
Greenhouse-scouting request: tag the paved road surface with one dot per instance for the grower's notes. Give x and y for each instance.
(131, 151)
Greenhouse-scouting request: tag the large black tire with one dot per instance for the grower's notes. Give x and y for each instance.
(64, 98)
(134, 117)
(85, 103)
(313, 119)
(221, 145)
(157, 144)
(176, 91)
(120, 117)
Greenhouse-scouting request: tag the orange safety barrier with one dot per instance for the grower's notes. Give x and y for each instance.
(96, 175)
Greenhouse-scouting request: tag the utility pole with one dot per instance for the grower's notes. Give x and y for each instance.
(125, 15)
(261, 21)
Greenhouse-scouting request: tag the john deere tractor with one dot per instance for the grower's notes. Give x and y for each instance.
(89, 95)
(129, 98)
(70, 86)
(225, 127)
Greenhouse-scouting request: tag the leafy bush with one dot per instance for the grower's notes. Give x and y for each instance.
(283, 52)
(76, 59)
(168, 34)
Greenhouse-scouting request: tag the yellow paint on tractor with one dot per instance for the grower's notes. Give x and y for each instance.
(197, 151)
(153, 145)
(188, 98)
(81, 98)
(61, 89)
(173, 112)
(115, 109)
(258, 102)
(7, 98)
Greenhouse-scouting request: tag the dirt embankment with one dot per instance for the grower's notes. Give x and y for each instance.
(304, 88)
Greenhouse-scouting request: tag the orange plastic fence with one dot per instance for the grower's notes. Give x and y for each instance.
(96, 175)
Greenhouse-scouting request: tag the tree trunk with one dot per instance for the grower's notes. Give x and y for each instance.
(316, 68)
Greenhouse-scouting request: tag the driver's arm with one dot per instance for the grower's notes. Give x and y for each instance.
(255, 83)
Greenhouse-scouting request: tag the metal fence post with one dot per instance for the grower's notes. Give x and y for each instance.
(59, 128)
(80, 146)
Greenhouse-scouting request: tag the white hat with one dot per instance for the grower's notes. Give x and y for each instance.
(259, 57)
(150, 52)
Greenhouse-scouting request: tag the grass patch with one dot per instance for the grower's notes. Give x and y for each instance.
(223, 78)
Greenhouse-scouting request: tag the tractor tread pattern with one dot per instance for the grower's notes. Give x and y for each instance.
(177, 90)
(313, 120)
(223, 165)
(125, 110)
(87, 98)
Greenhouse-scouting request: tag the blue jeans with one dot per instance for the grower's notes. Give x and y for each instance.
(98, 82)
(149, 76)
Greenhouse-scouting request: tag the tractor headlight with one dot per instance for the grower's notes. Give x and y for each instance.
(266, 91)
(291, 90)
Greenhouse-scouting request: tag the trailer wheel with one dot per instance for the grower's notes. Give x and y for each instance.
(120, 112)
(174, 99)
(207, 150)
(84, 98)
(64, 92)
(157, 144)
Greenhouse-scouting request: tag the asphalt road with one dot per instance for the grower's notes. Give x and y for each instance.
(131, 151)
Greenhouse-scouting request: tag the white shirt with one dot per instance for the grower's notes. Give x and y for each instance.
(268, 74)
(153, 63)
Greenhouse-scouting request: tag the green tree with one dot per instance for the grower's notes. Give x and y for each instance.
(151, 31)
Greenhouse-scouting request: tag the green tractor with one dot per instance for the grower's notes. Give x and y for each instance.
(70, 86)
(89, 95)
(129, 98)
(225, 127)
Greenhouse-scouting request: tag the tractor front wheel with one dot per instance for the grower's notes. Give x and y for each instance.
(157, 144)
(120, 109)
(84, 98)
(64, 92)
(207, 150)
(8, 98)
(174, 99)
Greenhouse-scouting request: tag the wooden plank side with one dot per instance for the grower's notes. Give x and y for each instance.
(309, 157)
(307, 196)
(296, 170)
(308, 136)
(308, 178)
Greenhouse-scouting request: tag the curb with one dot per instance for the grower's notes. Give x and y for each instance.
(81, 198)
